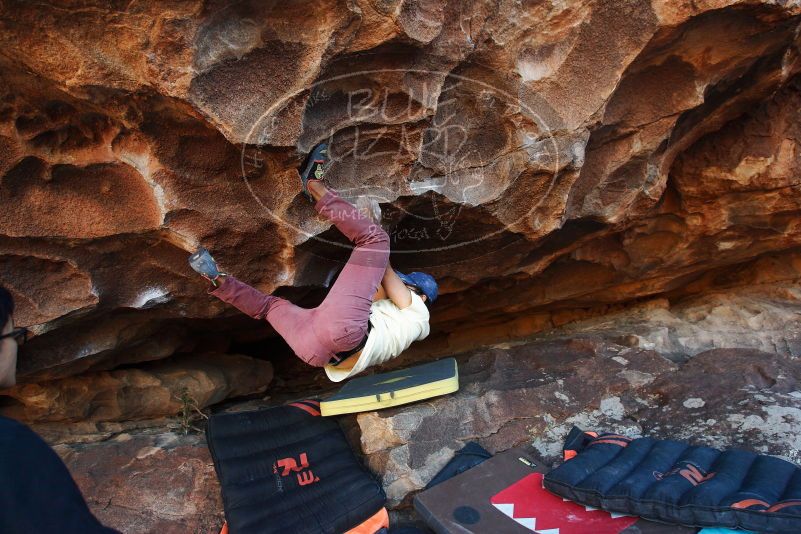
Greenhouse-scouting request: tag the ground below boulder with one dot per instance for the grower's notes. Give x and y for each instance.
(535, 393)
(148, 482)
(511, 393)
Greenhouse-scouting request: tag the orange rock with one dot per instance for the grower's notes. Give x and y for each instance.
(151, 391)
(541, 159)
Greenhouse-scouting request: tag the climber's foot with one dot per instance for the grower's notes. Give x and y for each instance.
(314, 167)
(202, 262)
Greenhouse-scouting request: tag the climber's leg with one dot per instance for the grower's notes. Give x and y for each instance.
(344, 313)
(246, 299)
(291, 322)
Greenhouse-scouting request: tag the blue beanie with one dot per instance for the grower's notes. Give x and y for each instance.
(422, 281)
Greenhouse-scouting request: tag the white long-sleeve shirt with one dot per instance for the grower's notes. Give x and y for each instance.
(393, 330)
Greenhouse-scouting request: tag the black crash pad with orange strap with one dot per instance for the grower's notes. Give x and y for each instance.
(675, 482)
(287, 469)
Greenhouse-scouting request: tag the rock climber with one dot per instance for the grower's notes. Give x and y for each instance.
(37, 493)
(370, 315)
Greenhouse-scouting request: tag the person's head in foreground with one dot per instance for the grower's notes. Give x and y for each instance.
(10, 339)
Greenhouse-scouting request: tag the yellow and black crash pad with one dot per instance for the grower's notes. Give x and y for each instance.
(398, 387)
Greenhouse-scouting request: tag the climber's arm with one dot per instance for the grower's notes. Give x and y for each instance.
(379, 294)
(395, 289)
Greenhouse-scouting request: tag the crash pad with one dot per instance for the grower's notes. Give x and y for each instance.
(677, 482)
(374, 524)
(466, 458)
(287, 469)
(716, 530)
(504, 495)
(402, 386)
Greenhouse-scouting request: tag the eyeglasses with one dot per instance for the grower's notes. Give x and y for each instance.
(20, 335)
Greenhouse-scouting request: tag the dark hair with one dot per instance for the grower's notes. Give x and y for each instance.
(6, 306)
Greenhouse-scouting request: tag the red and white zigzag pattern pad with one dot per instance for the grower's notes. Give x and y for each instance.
(532, 506)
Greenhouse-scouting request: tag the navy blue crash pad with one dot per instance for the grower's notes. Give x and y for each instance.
(465, 458)
(288, 469)
(674, 482)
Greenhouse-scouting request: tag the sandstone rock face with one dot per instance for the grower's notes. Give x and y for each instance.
(615, 180)
(543, 153)
(164, 388)
(148, 482)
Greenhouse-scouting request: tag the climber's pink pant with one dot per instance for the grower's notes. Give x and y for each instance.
(340, 322)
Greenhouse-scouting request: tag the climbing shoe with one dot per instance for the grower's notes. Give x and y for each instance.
(314, 166)
(202, 262)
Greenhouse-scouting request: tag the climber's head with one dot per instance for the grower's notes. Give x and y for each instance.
(423, 283)
(8, 340)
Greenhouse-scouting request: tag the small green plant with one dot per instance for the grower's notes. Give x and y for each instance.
(190, 412)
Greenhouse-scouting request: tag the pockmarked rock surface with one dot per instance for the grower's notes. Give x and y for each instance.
(530, 155)
(752, 305)
(146, 482)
